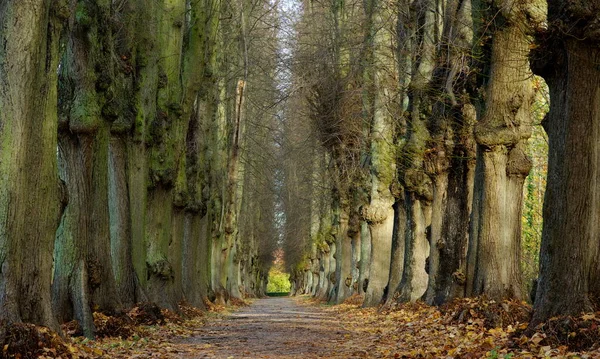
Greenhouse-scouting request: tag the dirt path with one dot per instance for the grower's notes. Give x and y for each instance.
(273, 328)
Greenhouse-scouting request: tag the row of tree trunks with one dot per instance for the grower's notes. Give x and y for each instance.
(111, 191)
(446, 226)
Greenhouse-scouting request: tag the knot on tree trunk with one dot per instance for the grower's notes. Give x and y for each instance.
(60, 10)
(94, 271)
(84, 115)
(324, 247)
(436, 161)
(396, 189)
(419, 183)
(161, 269)
(505, 127)
(181, 199)
(374, 214)
(161, 175)
(354, 225)
(518, 164)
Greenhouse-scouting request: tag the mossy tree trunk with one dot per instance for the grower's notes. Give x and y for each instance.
(84, 266)
(452, 157)
(416, 182)
(381, 87)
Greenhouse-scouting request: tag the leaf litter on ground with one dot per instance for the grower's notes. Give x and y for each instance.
(465, 328)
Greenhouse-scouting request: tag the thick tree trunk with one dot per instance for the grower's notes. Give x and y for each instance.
(324, 269)
(167, 132)
(447, 260)
(192, 284)
(379, 213)
(70, 287)
(331, 290)
(452, 157)
(120, 225)
(414, 275)
(87, 107)
(415, 180)
(159, 226)
(398, 249)
(195, 250)
(144, 129)
(567, 59)
(381, 246)
(233, 193)
(502, 165)
(497, 268)
(30, 193)
(99, 257)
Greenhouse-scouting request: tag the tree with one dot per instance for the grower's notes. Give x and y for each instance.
(379, 212)
(504, 118)
(451, 156)
(31, 195)
(567, 59)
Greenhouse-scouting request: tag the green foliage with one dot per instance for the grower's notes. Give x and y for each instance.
(279, 282)
(534, 190)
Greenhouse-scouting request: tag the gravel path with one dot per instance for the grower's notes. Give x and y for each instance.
(273, 328)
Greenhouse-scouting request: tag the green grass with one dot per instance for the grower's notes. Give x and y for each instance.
(278, 294)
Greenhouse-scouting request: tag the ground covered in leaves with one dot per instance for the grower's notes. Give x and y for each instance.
(303, 328)
(468, 328)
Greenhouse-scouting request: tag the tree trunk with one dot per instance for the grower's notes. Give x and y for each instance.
(70, 287)
(415, 180)
(567, 59)
(398, 251)
(502, 165)
(233, 193)
(414, 275)
(355, 236)
(379, 213)
(451, 158)
(30, 193)
(87, 109)
(120, 225)
(343, 255)
(365, 257)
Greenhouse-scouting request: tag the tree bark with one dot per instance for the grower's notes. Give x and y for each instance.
(567, 58)
(398, 251)
(365, 257)
(502, 165)
(417, 184)
(70, 287)
(343, 253)
(451, 157)
(379, 213)
(30, 191)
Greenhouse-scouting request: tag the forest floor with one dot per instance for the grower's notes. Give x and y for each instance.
(303, 328)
